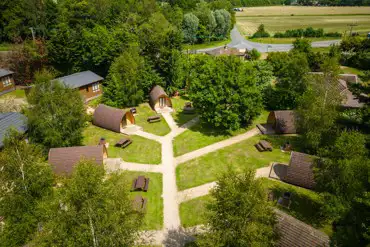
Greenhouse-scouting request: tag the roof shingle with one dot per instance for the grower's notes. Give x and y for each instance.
(11, 120)
(300, 170)
(80, 79)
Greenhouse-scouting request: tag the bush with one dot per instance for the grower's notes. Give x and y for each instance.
(261, 32)
(308, 33)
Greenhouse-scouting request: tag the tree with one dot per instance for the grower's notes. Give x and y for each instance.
(190, 28)
(253, 54)
(318, 109)
(224, 91)
(129, 80)
(261, 32)
(302, 45)
(56, 115)
(223, 23)
(342, 175)
(25, 180)
(90, 209)
(240, 214)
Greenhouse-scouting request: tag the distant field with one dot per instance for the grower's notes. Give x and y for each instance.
(281, 18)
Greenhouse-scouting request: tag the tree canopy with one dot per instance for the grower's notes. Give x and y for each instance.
(56, 115)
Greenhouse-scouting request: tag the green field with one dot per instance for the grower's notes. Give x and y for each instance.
(282, 18)
(141, 150)
(192, 212)
(206, 135)
(209, 167)
(287, 40)
(153, 219)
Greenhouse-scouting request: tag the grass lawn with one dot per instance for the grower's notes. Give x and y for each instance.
(18, 93)
(282, 18)
(153, 219)
(95, 102)
(192, 212)
(178, 104)
(159, 128)
(350, 70)
(141, 150)
(286, 40)
(209, 167)
(206, 45)
(201, 135)
(305, 206)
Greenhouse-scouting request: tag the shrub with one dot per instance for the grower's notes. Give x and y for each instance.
(261, 32)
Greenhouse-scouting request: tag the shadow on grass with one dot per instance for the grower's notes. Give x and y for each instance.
(279, 140)
(179, 237)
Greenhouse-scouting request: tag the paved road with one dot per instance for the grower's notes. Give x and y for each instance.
(238, 41)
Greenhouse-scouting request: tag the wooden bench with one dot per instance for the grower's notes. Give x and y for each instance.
(123, 142)
(154, 119)
(139, 203)
(285, 200)
(263, 146)
(140, 183)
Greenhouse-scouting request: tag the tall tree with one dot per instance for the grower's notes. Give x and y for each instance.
(224, 90)
(240, 214)
(318, 108)
(56, 115)
(25, 180)
(90, 209)
(190, 28)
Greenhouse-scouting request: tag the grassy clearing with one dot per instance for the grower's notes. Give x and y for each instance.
(18, 93)
(305, 206)
(201, 135)
(153, 219)
(192, 212)
(141, 150)
(286, 40)
(206, 45)
(350, 70)
(178, 104)
(95, 102)
(209, 167)
(302, 10)
(159, 128)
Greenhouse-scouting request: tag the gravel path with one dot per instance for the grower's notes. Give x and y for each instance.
(216, 146)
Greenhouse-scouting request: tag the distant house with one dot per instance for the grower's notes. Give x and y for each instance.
(63, 160)
(87, 82)
(159, 100)
(11, 120)
(6, 81)
(283, 122)
(225, 51)
(295, 233)
(112, 118)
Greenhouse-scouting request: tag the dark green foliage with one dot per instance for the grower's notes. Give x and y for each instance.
(240, 214)
(25, 180)
(253, 54)
(307, 33)
(356, 52)
(261, 32)
(129, 80)
(56, 115)
(190, 28)
(89, 209)
(302, 45)
(225, 92)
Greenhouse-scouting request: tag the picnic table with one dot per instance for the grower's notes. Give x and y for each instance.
(124, 142)
(263, 146)
(140, 183)
(153, 119)
(139, 203)
(285, 200)
(188, 108)
(133, 110)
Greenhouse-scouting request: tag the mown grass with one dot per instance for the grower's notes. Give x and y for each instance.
(193, 212)
(178, 115)
(141, 150)
(206, 45)
(350, 70)
(158, 128)
(209, 167)
(18, 94)
(153, 219)
(286, 40)
(273, 24)
(201, 135)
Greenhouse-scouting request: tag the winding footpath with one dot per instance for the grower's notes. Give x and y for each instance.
(238, 41)
(173, 234)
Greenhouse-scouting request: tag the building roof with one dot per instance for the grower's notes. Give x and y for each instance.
(63, 160)
(155, 94)
(80, 79)
(295, 233)
(225, 51)
(285, 122)
(300, 170)
(108, 118)
(11, 120)
(5, 72)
